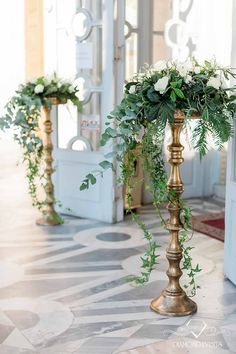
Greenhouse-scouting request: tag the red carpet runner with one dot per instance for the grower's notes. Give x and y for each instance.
(212, 225)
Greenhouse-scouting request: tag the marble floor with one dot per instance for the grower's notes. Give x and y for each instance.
(64, 290)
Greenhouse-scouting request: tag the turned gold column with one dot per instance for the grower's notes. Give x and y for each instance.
(173, 300)
(50, 216)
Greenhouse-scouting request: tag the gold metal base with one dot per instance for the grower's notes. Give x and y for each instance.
(50, 217)
(51, 220)
(173, 305)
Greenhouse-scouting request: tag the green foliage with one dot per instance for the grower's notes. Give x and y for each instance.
(22, 116)
(137, 129)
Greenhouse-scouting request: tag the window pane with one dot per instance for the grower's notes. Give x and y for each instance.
(131, 55)
(67, 124)
(90, 120)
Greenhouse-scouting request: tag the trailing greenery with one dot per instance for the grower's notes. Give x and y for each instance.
(22, 117)
(138, 123)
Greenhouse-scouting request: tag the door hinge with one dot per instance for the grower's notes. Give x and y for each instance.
(118, 52)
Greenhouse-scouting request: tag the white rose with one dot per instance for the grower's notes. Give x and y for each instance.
(214, 82)
(160, 65)
(188, 79)
(39, 88)
(132, 89)
(161, 84)
(197, 70)
(182, 70)
(71, 89)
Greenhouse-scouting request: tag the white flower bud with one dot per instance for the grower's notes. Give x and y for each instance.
(71, 89)
(197, 69)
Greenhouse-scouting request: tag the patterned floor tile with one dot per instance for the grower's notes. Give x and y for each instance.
(64, 289)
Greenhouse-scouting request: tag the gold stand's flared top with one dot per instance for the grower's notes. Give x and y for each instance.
(55, 100)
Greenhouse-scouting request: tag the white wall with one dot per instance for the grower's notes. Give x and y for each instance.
(12, 48)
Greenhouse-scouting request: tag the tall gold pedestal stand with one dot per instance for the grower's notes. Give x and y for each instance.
(173, 301)
(50, 217)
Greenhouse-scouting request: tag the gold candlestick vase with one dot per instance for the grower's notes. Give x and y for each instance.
(50, 216)
(173, 300)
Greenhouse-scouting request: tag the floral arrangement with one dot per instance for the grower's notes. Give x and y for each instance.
(150, 99)
(23, 113)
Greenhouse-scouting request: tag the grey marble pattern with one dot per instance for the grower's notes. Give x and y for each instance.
(64, 289)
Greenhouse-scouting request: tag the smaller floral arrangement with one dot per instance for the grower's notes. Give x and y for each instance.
(22, 115)
(41, 89)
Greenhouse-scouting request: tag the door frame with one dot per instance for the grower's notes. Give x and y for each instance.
(230, 208)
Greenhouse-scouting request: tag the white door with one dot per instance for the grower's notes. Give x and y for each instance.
(230, 210)
(80, 38)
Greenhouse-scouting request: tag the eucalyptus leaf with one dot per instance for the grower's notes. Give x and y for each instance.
(106, 165)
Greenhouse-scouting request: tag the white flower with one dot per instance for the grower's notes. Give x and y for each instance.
(47, 80)
(182, 69)
(71, 89)
(160, 65)
(214, 82)
(33, 80)
(67, 82)
(132, 89)
(39, 88)
(161, 84)
(59, 84)
(197, 69)
(188, 79)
